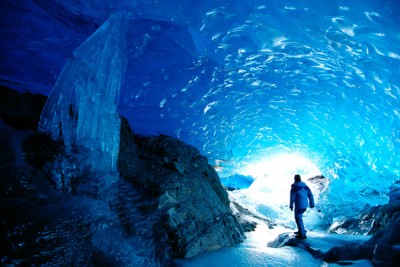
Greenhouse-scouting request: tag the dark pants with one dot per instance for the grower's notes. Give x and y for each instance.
(298, 216)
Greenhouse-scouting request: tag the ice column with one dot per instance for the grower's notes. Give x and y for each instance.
(82, 107)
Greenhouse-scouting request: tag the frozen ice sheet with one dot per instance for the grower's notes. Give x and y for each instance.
(254, 251)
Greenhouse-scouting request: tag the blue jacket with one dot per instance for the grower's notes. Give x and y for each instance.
(300, 196)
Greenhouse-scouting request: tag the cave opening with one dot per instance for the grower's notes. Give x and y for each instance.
(269, 191)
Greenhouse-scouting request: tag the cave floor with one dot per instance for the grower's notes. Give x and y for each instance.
(254, 251)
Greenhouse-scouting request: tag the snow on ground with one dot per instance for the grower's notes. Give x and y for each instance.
(254, 251)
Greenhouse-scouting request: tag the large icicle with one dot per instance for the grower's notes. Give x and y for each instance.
(82, 107)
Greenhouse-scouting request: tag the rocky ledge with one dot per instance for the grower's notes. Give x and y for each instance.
(168, 202)
(382, 249)
(189, 197)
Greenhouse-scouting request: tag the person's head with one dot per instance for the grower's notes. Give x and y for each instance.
(297, 178)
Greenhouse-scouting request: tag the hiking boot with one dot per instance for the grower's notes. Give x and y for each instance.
(297, 232)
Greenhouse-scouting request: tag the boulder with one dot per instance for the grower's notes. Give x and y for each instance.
(167, 203)
(383, 248)
(191, 201)
(127, 148)
(346, 225)
(20, 111)
(287, 239)
(390, 235)
(371, 220)
(349, 252)
(377, 218)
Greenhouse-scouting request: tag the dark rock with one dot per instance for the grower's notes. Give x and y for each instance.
(191, 200)
(287, 239)
(127, 147)
(372, 220)
(10, 143)
(99, 258)
(248, 219)
(20, 111)
(390, 235)
(171, 202)
(39, 149)
(346, 225)
(383, 247)
(349, 252)
(386, 253)
(394, 195)
(321, 181)
(377, 218)
(284, 239)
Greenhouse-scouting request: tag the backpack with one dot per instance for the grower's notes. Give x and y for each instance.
(302, 194)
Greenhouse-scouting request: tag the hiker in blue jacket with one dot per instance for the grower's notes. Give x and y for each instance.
(300, 196)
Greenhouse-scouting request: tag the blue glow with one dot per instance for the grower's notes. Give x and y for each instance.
(241, 80)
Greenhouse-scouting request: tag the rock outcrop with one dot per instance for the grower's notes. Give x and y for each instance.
(192, 203)
(20, 111)
(168, 202)
(286, 239)
(373, 218)
(383, 222)
(382, 249)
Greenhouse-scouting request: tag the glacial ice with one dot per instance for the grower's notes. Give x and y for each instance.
(327, 87)
(82, 107)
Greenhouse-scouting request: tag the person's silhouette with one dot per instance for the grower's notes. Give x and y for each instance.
(300, 196)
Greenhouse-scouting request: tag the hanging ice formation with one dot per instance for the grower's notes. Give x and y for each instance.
(82, 107)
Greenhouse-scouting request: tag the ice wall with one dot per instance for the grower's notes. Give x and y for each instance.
(82, 107)
(241, 80)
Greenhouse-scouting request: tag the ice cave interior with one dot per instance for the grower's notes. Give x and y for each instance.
(264, 89)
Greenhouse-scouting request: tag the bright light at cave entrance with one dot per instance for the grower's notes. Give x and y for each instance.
(282, 166)
(273, 175)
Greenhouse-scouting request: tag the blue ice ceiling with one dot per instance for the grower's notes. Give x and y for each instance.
(239, 80)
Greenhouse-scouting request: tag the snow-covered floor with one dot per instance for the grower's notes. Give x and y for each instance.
(254, 251)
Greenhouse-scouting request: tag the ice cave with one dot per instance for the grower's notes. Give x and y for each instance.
(168, 133)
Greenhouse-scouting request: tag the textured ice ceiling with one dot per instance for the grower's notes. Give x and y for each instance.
(239, 80)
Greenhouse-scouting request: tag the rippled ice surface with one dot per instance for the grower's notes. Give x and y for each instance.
(244, 80)
(315, 78)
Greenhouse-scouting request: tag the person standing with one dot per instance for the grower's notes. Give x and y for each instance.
(300, 197)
